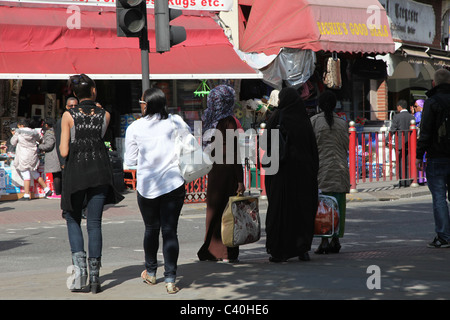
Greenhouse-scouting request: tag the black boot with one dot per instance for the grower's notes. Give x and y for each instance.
(80, 270)
(94, 274)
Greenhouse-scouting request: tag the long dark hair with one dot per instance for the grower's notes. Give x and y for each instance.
(327, 102)
(81, 85)
(156, 102)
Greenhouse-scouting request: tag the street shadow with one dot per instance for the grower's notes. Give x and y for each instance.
(6, 208)
(13, 243)
(119, 276)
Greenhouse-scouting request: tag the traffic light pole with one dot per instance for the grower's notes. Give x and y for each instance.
(144, 45)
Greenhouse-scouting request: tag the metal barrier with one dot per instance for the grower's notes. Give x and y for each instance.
(377, 156)
(374, 155)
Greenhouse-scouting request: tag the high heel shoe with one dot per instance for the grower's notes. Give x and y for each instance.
(335, 246)
(323, 248)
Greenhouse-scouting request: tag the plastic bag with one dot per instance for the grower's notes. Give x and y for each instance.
(327, 218)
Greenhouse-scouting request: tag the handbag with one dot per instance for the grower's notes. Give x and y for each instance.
(326, 223)
(241, 223)
(193, 162)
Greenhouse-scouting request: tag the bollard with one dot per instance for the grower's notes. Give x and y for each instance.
(352, 156)
(412, 153)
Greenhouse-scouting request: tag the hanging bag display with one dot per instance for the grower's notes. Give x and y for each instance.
(332, 76)
(193, 162)
(241, 223)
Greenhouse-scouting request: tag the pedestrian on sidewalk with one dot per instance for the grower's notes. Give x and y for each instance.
(150, 144)
(435, 141)
(293, 191)
(224, 179)
(334, 178)
(400, 124)
(51, 164)
(87, 174)
(26, 160)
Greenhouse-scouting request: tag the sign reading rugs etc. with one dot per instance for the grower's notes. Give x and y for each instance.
(205, 5)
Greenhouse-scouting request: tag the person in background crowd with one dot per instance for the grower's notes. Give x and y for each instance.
(436, 143)
(293, 191)
(334, 178)
(8, 147)
(224, 180)
(416, 110)
(400, 123)
(51, 164)
(150, 144)
(87, 175)
(26, 159)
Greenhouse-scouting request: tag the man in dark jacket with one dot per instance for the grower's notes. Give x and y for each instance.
(401, 123)
(438, 155)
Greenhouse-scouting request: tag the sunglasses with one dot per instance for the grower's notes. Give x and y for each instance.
(79, 79)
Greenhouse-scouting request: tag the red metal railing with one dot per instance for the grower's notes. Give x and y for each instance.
(377, 156)
(374, 155)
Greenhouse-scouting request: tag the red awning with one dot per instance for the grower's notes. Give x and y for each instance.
(318, 25)
(37, 43)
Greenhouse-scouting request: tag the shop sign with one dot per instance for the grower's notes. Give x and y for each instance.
(411, 21)
(205, 5)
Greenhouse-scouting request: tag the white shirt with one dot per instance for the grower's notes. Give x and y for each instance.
(150, 144)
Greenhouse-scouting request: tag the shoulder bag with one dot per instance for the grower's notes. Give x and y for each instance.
(193, 162)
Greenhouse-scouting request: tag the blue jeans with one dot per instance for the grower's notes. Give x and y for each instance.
(162, 213)
(95, 198)
(438, 178)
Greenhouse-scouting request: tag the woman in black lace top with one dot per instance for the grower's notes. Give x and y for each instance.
(87, 174)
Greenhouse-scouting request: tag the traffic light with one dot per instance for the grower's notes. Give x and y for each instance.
(131, 17)
(165, 34)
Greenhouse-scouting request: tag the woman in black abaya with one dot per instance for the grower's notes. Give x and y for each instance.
(293, 191)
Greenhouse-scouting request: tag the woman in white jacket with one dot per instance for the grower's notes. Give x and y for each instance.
(26, 159)
(150, 144)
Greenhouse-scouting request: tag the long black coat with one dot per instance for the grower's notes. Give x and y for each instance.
(293, 191)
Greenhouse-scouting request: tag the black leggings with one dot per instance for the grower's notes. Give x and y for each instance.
(162, 213)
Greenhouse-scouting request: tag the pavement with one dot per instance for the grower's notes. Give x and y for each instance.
(385, 191)
(377, 262)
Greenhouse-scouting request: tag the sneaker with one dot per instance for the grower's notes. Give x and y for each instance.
(48, 193)
(54, 196)
(438, 243)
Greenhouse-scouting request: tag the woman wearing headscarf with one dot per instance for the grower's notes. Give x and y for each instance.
(334, 176)
(292, 191)
(224, 179)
